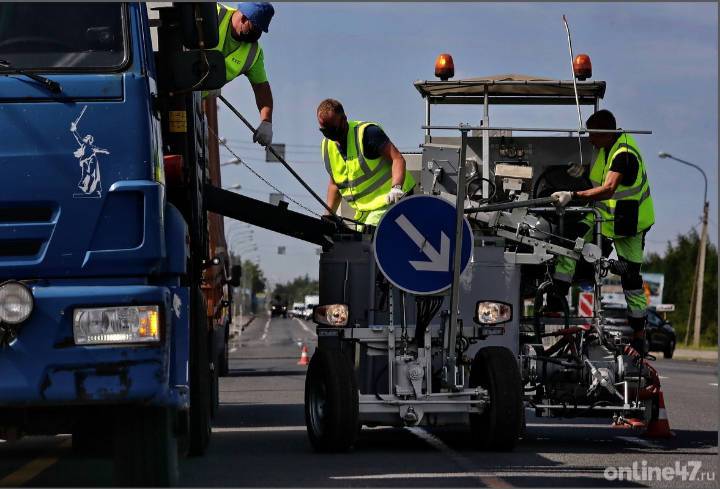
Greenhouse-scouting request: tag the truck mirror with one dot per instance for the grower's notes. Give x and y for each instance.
(235, 275)
(189, 69)
(198, 20)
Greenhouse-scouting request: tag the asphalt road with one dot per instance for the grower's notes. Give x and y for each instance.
(259, 439)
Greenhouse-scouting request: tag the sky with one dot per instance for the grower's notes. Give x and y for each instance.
(660, 62)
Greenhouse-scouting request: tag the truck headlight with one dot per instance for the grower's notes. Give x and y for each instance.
(16, 303)
(331, 314)
(489, 312)
(116, 325)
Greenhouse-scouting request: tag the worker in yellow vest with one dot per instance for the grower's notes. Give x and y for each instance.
(239, 31)
(365, 167)
(621, 192)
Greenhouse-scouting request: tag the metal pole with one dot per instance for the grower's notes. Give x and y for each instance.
(700, 263)
(486, 145)
(457, 259)
(279, 158)
(577, 100)
(428, 138)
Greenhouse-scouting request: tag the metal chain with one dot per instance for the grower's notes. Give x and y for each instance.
(242, 162)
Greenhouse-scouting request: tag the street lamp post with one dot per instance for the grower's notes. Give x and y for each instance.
(700, 262)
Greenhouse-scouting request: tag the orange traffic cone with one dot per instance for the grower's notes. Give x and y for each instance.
(304, 359)
(659, 427)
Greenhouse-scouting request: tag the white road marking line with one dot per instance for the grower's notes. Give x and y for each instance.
(233, 349)
(265, 330)
(258, 429)
(662, 378)
(714, 384)
(305, 327)
(489, 480)
(560, 472)
(639, 441)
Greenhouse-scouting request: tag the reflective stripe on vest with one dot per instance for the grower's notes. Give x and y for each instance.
(241, 59)
(639, 191)
(362, 182)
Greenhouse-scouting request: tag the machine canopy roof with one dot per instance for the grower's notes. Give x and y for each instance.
(510, 89)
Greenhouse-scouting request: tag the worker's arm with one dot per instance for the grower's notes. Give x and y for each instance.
(390, 152)
(603, 192)
(264, 100)
(333, 196)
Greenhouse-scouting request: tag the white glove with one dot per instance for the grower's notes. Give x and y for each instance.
(263, 134)
(394, 195)
(575, 170)
(561, 199)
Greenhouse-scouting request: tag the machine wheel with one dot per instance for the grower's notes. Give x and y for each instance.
(498, 427)
(200, 380)
(146, 451)
(669, 349)
(331, 402)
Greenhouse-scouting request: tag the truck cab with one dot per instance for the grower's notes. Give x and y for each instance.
(114, 288)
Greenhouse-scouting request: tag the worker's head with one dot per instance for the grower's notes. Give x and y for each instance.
(332, 119)
(253, 19)
(602, 119)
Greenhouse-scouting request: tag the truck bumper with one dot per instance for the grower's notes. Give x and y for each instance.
(44, 367)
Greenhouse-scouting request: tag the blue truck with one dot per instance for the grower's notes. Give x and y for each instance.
(115, 282)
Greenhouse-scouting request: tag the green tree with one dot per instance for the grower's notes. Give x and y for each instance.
(296, 289)
(678, 265)
(253, 280)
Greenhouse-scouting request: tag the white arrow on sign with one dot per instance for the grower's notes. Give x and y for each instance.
(439, 262)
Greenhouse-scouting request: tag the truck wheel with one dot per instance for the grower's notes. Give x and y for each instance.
(224, 362)
(331, 402)
(200, 381)
(498, 426)
(146, 451)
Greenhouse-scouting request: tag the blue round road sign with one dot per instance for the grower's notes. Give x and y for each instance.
(415, 244)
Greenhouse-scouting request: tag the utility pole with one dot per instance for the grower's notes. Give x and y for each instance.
(700, 277)
(700, 262)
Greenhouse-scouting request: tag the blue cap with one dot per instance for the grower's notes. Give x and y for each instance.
(259, 13)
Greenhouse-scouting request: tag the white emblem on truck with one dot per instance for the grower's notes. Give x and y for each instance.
(89, 185)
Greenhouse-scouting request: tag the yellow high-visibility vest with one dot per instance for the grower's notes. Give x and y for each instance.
(364, 183)
(240, 59)
(630, 209)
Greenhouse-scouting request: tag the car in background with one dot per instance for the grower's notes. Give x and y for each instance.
(659, 333)
(308, 313)
(297, 310)
(278, 307)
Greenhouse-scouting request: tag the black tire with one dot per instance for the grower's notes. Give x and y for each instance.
(669, 349)
(498, 427)
(146, 452)
(331, 402)
(201, 379)
(224, 363)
